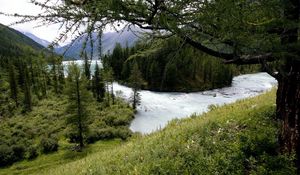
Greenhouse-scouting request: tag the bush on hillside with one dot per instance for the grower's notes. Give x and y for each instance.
(49, 144)
(18, 152)
(6, 155)
(32, 152)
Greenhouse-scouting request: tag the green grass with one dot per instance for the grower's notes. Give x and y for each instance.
(62, 156)
(239, 138)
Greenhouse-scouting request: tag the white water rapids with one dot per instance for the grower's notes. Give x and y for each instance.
(158, 108)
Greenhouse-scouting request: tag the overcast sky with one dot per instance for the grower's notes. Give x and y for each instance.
(24, 7)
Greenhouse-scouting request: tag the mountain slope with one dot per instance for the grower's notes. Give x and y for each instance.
(108, 43)
(42, 42)
(239, 138)
(14, 42)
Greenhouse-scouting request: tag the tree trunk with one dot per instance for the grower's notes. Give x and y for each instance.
(80, 130)
(288, 110)
(288, 93)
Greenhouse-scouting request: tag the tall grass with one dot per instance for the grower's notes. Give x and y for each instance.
(239, 138)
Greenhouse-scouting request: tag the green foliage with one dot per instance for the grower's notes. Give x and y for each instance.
(32, 152)
(19, 152)
(63, 156)
(56, 74)
(36, 82)
(13, 84)
(48, 117)
(98, 84)
(87, 66)
(234, 139)
(48, 144)
(34, 106)
(78, 98)
(171, 65)
(135, 81)
(7, 106)
(13, 43)
(6, 155)
(108, 77)
(27, 91)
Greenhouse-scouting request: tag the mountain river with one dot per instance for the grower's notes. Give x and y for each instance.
(158, 108)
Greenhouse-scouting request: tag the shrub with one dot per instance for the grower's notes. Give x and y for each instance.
(92, 137)
(6, 155)
(72, 136)
(48, 145)
(18, 152)
(32, 152)
(123, 133)
(106, 133)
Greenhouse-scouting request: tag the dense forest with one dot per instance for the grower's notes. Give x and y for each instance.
(171, 65)
(46, 105)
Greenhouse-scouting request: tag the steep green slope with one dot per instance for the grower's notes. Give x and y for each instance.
(240, 138)
(13, 43)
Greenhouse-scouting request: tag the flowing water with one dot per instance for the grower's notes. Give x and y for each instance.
(158, 108)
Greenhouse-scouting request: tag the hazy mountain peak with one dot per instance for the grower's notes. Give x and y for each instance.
(41, 41)
(109, 40)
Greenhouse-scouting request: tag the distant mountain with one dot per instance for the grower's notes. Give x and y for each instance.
(13, 42)
(109, 41)
(42, 42)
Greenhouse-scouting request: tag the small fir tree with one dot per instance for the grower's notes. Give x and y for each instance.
(136, 81)
(78, 97)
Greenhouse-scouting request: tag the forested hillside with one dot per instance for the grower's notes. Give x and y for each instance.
(46, 106)
(13, 43)
(171, 65)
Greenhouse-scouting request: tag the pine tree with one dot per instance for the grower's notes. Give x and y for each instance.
(109, 79)
(87, 66)
(43, 75)
(13, 83)
(78, 97)
(98, 84)
(27, 90)
(61, 74)
(135, 81)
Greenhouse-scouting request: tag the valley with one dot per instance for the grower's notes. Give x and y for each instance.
(149, 87)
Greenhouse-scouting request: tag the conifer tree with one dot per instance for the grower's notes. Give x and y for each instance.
(78, 97)
(135, 81)
(109, 79)
(13, 83)
(87, 65)
(61, 74)
(98, 84)
(43, 75)
(27, 90)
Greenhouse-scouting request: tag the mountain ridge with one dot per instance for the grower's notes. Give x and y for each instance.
(109, 40)
(73, 50)
(14, 42)
(37, 39)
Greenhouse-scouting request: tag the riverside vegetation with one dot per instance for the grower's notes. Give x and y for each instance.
(25, 133)
(171, 65)
(239, 138)
(42, 110)
(237, 32)
(42, 130)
